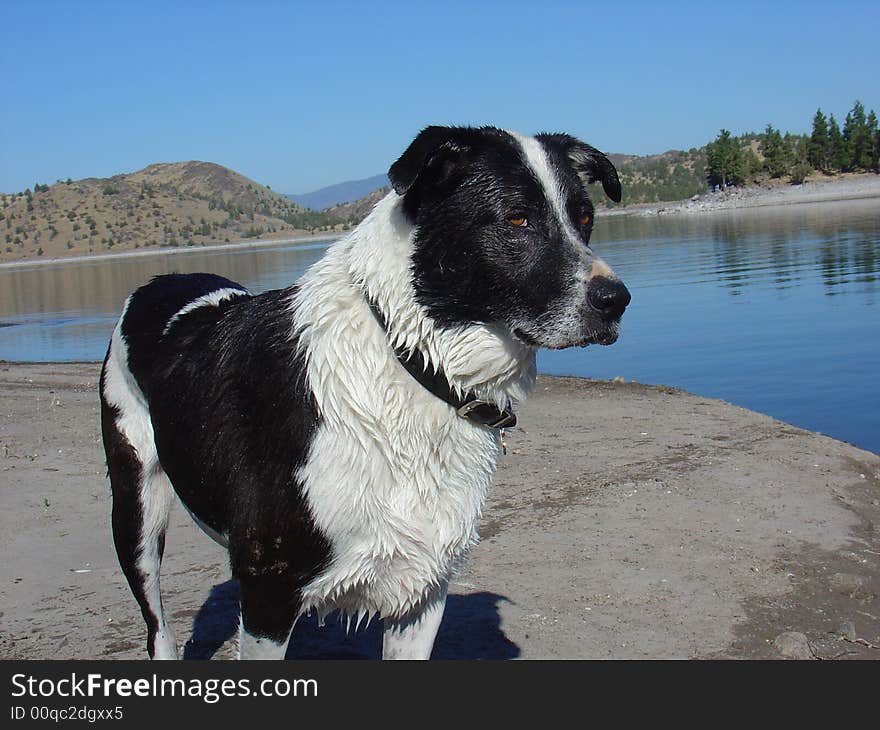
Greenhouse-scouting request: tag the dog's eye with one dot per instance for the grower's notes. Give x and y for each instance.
(519, 222)
(585, 220)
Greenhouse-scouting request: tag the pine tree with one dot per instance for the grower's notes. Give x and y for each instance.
(800, 167)
(857, 138)
(874, 138)
(790, 150)
(819, 146)
(751, 165)
(724, 161)
(777, 152)
(839, 156)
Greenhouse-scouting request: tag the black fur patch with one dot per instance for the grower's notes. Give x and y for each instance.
(233, 422)
(151, 307)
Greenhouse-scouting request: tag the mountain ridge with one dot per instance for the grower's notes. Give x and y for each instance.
(343, 192)
(166, 204)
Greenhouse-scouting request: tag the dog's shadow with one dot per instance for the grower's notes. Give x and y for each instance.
(471, 629)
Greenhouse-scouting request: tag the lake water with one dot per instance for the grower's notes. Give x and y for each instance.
(774, 309)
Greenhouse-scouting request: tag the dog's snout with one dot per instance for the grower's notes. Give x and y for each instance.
(609, 297)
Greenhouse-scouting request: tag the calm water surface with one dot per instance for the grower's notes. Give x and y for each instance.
(774, 309)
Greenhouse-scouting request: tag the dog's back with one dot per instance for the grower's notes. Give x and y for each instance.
(194, 393)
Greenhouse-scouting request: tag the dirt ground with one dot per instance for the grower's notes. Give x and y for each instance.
(626, 521)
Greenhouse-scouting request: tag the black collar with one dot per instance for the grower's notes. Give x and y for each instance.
(434, 381)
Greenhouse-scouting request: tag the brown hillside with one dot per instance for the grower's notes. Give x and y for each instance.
(167, 204)
(353, 213)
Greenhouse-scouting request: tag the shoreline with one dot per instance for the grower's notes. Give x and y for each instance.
(263, 243)
(859, 187)
(848, 188)
(683, 527)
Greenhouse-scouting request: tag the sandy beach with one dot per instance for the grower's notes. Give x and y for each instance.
(626, 521)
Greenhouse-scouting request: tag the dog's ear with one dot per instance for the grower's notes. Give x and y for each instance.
(590, 164)
(431, 144)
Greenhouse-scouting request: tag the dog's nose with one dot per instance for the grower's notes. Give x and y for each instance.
(609, 297)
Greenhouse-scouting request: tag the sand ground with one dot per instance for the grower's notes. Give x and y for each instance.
(626, 521)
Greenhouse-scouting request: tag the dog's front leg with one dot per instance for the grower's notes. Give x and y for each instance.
(268, 612)
(412, 637)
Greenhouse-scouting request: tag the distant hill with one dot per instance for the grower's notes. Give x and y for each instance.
(343, 192)
(166, 204)
(672, 175)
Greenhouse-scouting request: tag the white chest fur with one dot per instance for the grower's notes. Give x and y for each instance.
(395, 479)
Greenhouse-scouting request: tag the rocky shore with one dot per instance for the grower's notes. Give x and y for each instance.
(850, 187)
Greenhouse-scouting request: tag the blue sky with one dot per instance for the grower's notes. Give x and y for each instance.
(299, 95)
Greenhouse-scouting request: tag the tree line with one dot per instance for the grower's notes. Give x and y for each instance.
(828, 149)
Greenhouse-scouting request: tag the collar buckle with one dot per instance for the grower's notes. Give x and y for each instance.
(487, 414)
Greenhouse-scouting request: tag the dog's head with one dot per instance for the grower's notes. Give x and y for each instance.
(502, 235)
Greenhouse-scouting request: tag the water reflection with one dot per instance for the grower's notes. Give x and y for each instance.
(67, 311)
(101, 285)
(753, 247)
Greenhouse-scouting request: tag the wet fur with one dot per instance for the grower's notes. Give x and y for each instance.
(286, 424)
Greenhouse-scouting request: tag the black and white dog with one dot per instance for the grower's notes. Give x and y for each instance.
(339, 435)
